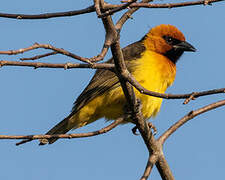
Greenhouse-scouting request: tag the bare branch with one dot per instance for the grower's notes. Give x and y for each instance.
(66, 136)
(188, 117)
(108, 66)
(39, 56)
(49, 15)
(192, 97)
(174, 5)
(64, 66)
(134, 107)
(105, 49)
(46, 46)
(97, 7)
(148, 169)
(106, 7)
(163, 168)
(127, 15)
(117, 9)
(126, 75)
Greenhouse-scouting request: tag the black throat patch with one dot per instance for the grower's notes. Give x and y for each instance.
(174, 54)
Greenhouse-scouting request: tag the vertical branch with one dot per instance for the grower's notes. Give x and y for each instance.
(154, 147)
(164, 169)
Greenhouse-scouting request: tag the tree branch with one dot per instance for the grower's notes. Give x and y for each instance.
(126, 75)
(127, 15)
(188, 117)
(46, 46)
(133, 106)
(49, 15)
(39, 56)
(117, 9)
(174, 5)
(111, 7)
(51, 65)
(65, 136)
(108, 66)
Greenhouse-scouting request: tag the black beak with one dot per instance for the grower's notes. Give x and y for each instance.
(185, 46)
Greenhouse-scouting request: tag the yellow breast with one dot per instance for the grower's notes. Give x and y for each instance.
(153, 71)
(156, 73)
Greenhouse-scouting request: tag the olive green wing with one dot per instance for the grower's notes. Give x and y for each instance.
(105, 80)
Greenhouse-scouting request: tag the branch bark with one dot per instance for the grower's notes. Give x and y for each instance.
(64, 136)
(51, 65)
(188, 117)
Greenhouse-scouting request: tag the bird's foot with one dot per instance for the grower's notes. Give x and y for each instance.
(150, 125)
(134, 131)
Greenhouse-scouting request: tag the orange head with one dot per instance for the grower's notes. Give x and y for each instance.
(168, 41)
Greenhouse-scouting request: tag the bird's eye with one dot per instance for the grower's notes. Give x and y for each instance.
(170, 40)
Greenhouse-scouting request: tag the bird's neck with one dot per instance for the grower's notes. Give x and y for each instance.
(174, 55)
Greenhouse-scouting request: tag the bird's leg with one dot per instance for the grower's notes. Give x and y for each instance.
(150, 125)
(128, 117)
(137, 110)
(127, 114)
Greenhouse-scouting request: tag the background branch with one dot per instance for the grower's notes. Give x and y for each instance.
(39, 56)
(188, 117)
(46, 46)
(49, 15)
(111, 7)
(65, 136)
(175, 5)
(51, 65)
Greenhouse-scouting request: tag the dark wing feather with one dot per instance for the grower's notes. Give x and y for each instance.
(105, 80)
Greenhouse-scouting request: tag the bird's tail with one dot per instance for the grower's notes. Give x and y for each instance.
(61, 128)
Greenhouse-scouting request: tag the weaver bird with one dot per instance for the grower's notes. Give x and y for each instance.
(152, 62)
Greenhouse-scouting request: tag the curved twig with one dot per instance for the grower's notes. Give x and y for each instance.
(49, 15)
(39, 56)
(66, 136)
(116, 9)
(91, 9)
(127, 15)
(126, 75)
(46, 46)
(188, 117)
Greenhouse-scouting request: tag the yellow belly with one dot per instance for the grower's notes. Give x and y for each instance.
(153, 71)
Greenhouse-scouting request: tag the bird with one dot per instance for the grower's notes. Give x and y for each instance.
(152, 62)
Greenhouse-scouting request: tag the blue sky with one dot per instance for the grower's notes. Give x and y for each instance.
(32, 101)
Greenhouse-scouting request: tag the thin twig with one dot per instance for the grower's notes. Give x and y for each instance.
(67, 136)
(174, 5)
(49, 15)
(105, 49)
(188, 117)
(117, 9)
(151, 162)
(97, 7)
(46, 46)
(107, 6)
(127, 15)
(50, 65)
(39, 56)
(192, 97)
(111, 67)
